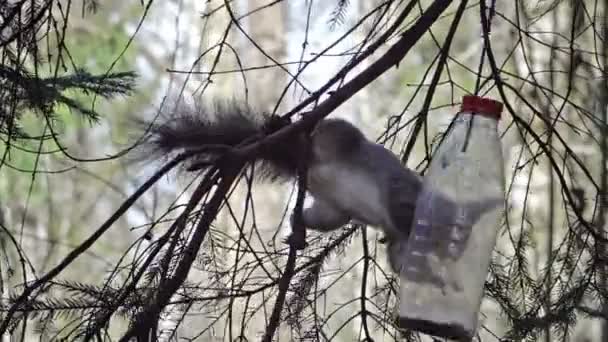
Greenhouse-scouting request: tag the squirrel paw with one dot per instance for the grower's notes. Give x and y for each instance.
(297, 240)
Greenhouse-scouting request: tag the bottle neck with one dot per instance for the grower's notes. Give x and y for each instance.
(490, 117)
(483, 120)
(468, 125)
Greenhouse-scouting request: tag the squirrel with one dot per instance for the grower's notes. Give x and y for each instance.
(348, 176)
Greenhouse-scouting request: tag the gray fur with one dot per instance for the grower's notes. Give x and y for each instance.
(351, 177)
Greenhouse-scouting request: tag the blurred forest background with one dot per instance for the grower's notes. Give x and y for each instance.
(95, 245)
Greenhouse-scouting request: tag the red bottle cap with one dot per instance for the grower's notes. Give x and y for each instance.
(481, 105)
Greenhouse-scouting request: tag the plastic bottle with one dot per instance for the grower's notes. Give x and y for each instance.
(457, 218)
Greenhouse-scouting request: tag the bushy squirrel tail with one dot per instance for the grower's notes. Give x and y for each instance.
(182, 126)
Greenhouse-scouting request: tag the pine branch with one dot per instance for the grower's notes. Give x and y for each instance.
(338, 14)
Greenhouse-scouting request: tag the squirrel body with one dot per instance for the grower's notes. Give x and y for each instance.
(360, 178)
(348, 176)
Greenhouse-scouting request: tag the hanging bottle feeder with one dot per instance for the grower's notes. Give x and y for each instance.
(455, 225)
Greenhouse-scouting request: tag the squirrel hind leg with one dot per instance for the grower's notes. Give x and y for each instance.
(324, 217)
